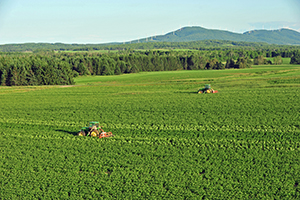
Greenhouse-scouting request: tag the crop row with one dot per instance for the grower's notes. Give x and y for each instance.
(170, 142)
(130, 168)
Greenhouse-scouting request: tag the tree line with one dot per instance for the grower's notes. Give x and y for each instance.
(34, 70)
(203, 45)
(60, 68)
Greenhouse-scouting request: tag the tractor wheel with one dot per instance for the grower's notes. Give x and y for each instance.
(200, 92)
(94, 133)
(81, 133)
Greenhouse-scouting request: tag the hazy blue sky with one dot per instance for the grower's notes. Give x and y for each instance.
(101, 21)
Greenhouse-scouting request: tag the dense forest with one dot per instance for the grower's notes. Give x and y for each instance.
(210, 45)
(50, 68)
(34, 70)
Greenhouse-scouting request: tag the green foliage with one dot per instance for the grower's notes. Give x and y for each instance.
(60, 68)
(278, 60)
(260, 60)
(271, 50)
(82, 70)
(214, 64)
(170, 142)
(34, 70)
(243, 63)
(296, 58)
(230, 63)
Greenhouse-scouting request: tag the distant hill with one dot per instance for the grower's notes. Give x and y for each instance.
(280, 36)
(184, 38)
(186, 34)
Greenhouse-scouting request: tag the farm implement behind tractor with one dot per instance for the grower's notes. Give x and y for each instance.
(94, 130)
(207, 89)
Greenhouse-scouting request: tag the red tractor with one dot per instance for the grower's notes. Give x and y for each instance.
(94, 130)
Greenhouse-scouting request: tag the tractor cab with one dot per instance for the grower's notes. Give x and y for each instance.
(207, 86)
(92, 124)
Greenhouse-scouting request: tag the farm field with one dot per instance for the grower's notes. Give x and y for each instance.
(285, 61)
(170, 143)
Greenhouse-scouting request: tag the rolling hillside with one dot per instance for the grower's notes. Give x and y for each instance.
(185, 36)
(281, 36)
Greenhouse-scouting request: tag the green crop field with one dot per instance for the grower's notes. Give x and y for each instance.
(170, 142)
(285, 61)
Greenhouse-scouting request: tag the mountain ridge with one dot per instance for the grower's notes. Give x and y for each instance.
(195, 33)
(186, 37)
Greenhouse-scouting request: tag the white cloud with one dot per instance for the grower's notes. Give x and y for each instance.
(276, 25)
